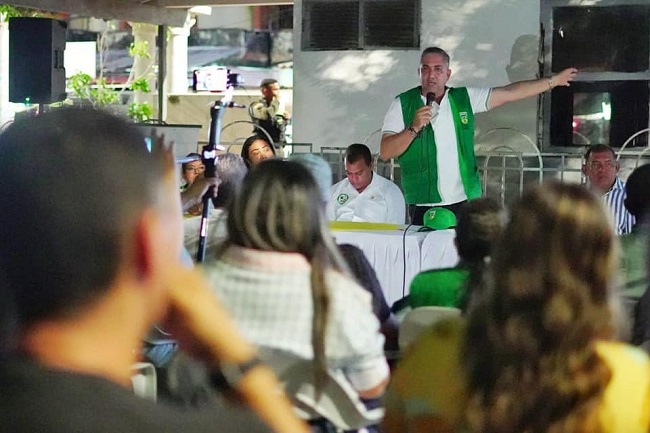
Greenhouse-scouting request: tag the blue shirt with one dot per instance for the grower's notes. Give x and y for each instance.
(614, 200)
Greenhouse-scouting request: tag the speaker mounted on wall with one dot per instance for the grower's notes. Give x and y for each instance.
(36, 70)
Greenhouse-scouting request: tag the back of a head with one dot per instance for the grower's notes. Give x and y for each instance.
(358, 151)
(558, 238)
(547, 306)
(74, 183)
(637, 199)
(231, 170)
(319, 169)
(478, 228)
(278, 209)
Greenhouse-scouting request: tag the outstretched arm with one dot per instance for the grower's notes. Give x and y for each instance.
(524, 89)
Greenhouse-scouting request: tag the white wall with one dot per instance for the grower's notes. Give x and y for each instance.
(238, 17)
(340, 97)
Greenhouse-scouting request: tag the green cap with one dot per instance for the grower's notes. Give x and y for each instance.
(439, 218)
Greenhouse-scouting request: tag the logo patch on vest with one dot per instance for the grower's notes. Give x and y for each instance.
(464, 119)
(342, 198)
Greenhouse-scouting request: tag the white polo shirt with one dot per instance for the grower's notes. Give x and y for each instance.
(381, 202)
(450, 184)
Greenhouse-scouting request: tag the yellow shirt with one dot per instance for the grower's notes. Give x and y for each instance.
(426, 392)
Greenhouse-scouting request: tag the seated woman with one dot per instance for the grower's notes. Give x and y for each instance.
(537, 353)
(479, 225)
(281, 276)
(256, 149)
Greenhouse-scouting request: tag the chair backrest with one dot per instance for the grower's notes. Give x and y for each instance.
(419, 319)
(338, 402)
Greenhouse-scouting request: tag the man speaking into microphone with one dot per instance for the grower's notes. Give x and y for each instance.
(430, 129)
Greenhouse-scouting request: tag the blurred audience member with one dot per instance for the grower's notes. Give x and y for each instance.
(601, 169)
(191, 170)
(364, 195)
(256, 149)
(538, 353)
(634, 249)
(283, 279)
(319, 169)
(365, 275)
(88, 285)
(479, 226)
(230, 170)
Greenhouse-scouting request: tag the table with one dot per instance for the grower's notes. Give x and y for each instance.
(389, 250)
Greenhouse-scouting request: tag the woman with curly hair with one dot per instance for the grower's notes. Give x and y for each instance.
(538, 350)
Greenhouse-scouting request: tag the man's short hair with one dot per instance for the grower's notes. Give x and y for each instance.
(436, 50)
(358, 151)
(637, 200)
(599, 148)
(231, 170)
(75, 181)
(267, 82)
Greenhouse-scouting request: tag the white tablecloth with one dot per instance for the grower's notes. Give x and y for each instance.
(438, 250)
(388, 250)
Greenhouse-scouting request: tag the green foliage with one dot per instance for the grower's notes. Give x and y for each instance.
(141, 84)
(8, 11)
(140, 112)
(98, 93)
(140, 49)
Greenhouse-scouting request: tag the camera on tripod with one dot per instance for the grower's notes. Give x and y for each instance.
(215, 79)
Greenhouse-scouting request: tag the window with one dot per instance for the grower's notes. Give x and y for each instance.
(609, 43)
(360, 24)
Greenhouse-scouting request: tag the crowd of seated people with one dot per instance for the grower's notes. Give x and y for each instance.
(534, 349)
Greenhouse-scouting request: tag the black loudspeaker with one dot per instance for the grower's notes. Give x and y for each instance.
(36, 71)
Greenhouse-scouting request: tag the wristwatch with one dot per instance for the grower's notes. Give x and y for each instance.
(411, 130)
(231, 373)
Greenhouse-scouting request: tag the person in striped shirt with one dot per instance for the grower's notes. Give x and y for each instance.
(601, 169)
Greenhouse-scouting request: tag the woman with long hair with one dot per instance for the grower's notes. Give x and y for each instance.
(538, 350)
(281, 275)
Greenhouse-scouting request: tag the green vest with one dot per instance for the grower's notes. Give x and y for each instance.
(419, 163)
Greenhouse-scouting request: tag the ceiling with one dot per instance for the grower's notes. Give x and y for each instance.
(169, 12)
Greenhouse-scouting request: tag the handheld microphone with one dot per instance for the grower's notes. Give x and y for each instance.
(430, 98)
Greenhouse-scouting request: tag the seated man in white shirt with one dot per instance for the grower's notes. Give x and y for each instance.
(364, 195)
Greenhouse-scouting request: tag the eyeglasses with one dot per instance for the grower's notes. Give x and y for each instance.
(597, 165)
(195, 168)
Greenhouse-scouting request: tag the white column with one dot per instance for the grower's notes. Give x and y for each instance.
(176, 81)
